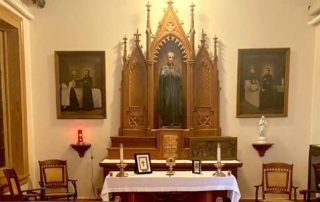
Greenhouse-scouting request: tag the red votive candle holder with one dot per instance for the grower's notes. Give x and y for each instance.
(80, 137)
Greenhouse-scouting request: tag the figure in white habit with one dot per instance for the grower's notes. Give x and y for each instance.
(262, 130)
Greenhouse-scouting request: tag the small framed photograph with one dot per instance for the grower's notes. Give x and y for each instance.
(143, 163)
(196, 166)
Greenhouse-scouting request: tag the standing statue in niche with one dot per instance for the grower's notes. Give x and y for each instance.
(262, 130)
(170, 93)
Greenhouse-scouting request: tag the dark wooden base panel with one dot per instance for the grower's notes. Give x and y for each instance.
(205, 196)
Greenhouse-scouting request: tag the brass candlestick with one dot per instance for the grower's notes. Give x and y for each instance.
(121, 167)
(170, 162)
(218, 166)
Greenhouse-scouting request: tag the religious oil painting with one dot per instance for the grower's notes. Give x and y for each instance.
(263, 82)
(80, 84)
(142, 163)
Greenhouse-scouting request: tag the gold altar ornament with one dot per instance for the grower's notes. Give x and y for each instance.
(121, 172)
(121, 165)
(170, 162)
(219, 172)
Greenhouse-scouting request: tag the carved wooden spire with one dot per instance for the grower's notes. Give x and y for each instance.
(148, 30)
(124, 49)
(192, 6)
(203, 39)
(215, 41)
(192, 31)
(137, 37)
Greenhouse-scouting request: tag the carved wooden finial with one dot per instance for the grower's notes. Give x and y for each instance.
(192, 15)
(125, 48)
(148, 17)
(137, 37)
(148, 6)
(215, 41)
(203, 38)
(192, 6)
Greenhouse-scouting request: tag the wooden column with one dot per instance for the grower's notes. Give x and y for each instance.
(189, 95)
(150, 125)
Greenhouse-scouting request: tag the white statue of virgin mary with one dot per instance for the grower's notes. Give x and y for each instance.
(262, 130)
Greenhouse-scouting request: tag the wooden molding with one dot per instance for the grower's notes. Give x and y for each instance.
(23, 11)
(15, 95)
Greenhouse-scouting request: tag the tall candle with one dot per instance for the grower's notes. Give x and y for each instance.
(121, 152)
(218, 152)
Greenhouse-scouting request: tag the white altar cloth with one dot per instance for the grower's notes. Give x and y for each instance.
(156, 161)
(182, 181)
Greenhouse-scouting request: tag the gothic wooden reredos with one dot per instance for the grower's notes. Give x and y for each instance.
(140, 129)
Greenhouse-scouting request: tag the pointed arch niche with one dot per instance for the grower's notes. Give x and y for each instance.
(169, 44)
(141, 127)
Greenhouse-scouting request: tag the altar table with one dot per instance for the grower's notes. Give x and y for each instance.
(182, 181)
(160, 165)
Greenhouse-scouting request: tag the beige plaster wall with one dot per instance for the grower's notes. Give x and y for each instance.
(101, 24)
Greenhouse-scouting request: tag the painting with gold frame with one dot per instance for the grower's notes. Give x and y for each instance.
(263, 82)
(80, 84)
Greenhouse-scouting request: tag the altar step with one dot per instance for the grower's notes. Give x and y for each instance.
(134, 141)
(113, 152)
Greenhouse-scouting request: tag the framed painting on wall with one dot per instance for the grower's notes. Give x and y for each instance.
(80, 84)
(263, 82)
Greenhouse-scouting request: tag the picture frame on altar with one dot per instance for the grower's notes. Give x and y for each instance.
(80, 84)
(142, 163)
(263, 82)
(196, 167)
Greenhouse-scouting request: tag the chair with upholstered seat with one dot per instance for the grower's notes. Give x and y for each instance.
(276, 179)
(54, 178)
(16, 194)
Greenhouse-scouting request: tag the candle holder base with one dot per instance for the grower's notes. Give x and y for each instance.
(170, 172)
(121, 172)
(219, 172)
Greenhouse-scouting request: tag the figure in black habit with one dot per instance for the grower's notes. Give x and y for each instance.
(74, 104)
(267, 92)
(170, 93)
(267, 80)
(87, 98)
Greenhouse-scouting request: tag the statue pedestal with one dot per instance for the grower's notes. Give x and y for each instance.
(262, 140)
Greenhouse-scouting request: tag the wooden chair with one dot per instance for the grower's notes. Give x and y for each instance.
(276, 179)
(54, 178)
(307, 192)
(16, 194)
